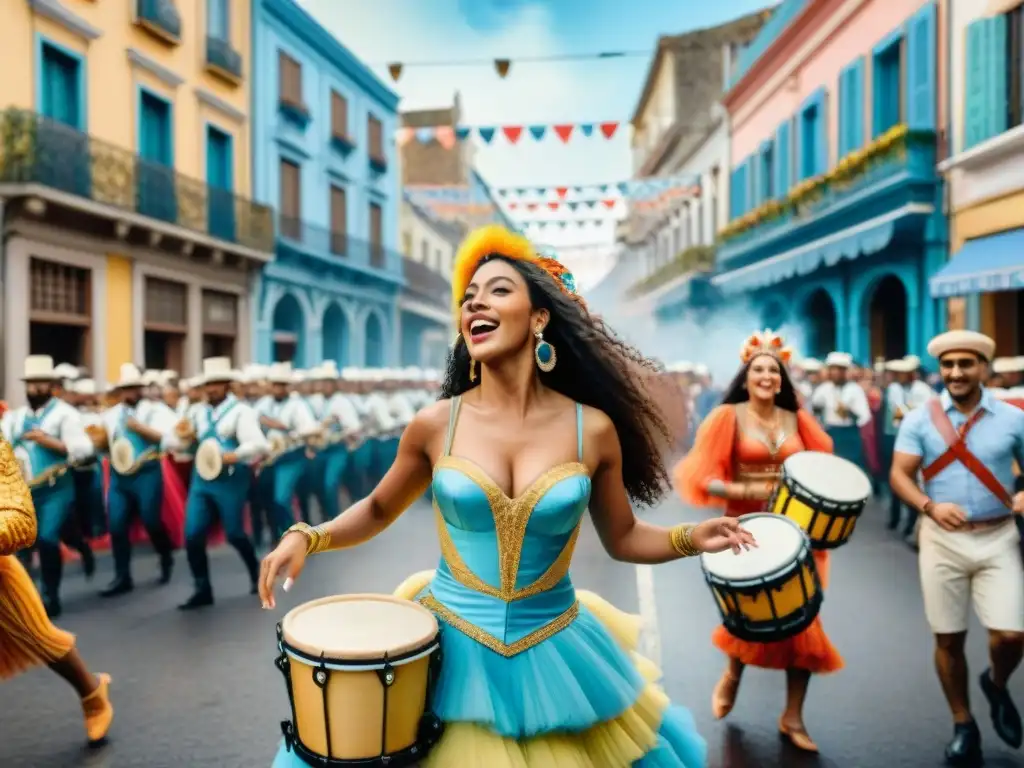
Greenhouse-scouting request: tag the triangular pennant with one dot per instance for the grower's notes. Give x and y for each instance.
(513, 206)
(503, 192)
(582, 223)
(404, 136)
(587, 129)
(608, 203)
(603, 188)
(563, 132)
(623, 187)
(562, 224)
(512, 132)
(561, 192)
(542, 191)
(502, 66)
(553, 206)
(424, 135)
(573, 206)
(445, 136)
(522, 191)
(486, 134)
(591, 204)
(462, 133)
(395, 70)
(608, 129)
(538, 131)
(578, 190)
(531, 206)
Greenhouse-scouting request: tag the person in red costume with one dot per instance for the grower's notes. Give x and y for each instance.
(735, 462)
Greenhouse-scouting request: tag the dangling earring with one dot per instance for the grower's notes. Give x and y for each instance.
(472, 369)
(544, 353)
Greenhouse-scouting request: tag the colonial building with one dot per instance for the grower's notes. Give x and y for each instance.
(324, 157)
(983, 282)
(836, 209)
(127, 234)
(429, 244)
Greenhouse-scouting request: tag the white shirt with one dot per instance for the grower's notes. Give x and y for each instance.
(341, 407)
(316, 402)
(62, 422)
(150, 413)
(401, 408)
(91, 418)
(918, 393)
(828, 396)
(294, 412)
(805, 388)
(378, 409)
(235, 420)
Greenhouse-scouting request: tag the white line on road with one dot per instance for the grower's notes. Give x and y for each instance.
(650, 637)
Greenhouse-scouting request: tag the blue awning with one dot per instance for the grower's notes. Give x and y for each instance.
(848, 244)
(993, 263)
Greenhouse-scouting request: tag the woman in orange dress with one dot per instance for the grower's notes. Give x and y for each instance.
(27, 638)
(735, 462)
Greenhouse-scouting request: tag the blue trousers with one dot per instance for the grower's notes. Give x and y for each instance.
(138, 494)
(224, 499)
(54, 505)
(336, 459)
(357, 473)
(89, 504)
(848, 444)
(278, 484)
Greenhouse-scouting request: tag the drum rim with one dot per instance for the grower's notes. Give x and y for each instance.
(805, 544)
(114, 447)
(799, 491)
(404, 653)
(791, 460)
(209, 451)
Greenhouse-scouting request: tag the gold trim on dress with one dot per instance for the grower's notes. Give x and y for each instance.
(488, 640)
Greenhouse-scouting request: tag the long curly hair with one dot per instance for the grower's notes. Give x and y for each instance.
(596, 368)
(736, 392)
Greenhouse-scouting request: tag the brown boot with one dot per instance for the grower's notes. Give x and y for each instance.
(98, 711)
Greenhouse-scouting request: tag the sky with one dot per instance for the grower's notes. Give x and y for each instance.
(411, 31)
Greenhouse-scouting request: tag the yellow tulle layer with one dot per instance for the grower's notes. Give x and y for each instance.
(27, 638)
(618, 743)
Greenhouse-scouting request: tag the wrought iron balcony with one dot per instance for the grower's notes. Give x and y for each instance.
(338, 247)
(160, 17)
(36, 150)
(426, 284)
(222, 59)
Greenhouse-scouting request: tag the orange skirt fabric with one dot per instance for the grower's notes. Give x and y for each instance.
(27, 638)
(810, 650)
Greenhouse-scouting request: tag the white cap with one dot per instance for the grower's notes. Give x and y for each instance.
(280, 373)
(810, 364)
(39, 368)
(326, 371)
(84, 387)
(1003, 365)
(901, 366)
(150, 377)
(67, 372)
(253, 372)
(128, 376)
(839, 360)
(299, 376)
(218, 369)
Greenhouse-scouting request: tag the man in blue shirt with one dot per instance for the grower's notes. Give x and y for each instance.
(963, 443)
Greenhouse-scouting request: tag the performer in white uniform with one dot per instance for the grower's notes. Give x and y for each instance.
(842, 408)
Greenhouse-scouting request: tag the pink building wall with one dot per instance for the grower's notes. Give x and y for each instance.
(856, 36)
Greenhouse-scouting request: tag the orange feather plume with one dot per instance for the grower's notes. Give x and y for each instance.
(765, 342)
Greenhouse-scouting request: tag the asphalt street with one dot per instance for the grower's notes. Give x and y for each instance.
(199, 690)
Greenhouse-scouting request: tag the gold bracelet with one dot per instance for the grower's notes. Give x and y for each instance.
(317, 538)
(681, 542)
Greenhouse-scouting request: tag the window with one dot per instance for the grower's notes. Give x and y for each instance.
(339, 221)
(424, 252)
(810, 138)
(376, 138)
(165, 323)
(60, 311)
(291, 200)
(438, 260)
(767, 177)
(220, 324)
(376, 235)
(220, 178)
(290, 73)
(407, 244)
(157, 195)
(715, 172)
(887, 87)
(851, 108)
(62, 87)
(217, 24)
(339, 116)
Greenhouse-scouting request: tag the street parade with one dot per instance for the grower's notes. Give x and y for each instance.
(366, 402)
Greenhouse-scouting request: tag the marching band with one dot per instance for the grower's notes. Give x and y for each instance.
(229, 450)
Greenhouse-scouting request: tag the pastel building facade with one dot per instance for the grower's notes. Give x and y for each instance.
(325, 160)
(835, 207)
(124, 180)
(983, 283)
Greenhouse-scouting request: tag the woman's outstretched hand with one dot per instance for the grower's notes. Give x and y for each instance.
(720, 534)
(287, 560)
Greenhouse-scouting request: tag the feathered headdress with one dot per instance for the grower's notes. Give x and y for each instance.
(495, 240)
(765, 342)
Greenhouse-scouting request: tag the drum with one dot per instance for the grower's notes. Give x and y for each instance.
(771, 592)
(359, 671)
(823, 494)
(209, 460)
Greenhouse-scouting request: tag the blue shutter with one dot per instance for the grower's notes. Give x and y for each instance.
(783, 160)
(998, 98)
(976, 85)
(217, 19)
(821, 126)
(921, 67)
(749, 179)
(856, 128)
(734, 194)
(844, 111)
(798, 147)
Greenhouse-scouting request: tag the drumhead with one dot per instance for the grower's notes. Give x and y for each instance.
(122, 455)
(778, 538)
(357, 627)
(209, 460)
(831, 477)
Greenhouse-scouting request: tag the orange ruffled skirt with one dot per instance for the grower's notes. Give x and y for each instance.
(27, 638)
(810, 650)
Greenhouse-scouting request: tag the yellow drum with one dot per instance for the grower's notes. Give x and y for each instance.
(771, 592)
(823, 494)
(359, 671)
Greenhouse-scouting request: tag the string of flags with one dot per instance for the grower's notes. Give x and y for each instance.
(564, 223)
(589, 194)
(448, 136)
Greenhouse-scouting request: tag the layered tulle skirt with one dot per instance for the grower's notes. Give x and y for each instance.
(580, 699)
(27, 638)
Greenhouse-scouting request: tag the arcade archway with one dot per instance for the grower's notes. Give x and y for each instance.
(819, 315)
(375, 352)
(335, 335)
(887, 319)
(288, 331)
(774, 315)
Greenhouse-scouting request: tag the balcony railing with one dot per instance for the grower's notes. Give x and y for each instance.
(898, 154)
(697, 258)
(160, 17)
(222, 59)
(34, 149)
(344, 248)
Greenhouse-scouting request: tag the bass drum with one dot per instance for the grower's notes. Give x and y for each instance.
(209, 460)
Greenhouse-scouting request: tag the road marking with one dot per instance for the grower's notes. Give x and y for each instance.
(650, 637)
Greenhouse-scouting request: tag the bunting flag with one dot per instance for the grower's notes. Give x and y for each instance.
(565, 223)
(510, 134)
(655, 188)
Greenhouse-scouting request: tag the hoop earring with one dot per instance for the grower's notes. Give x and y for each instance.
(544, 353)
(472, 369)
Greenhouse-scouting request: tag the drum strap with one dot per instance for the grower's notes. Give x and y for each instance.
(957, 450)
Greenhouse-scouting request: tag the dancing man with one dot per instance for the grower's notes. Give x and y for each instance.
(963, 443)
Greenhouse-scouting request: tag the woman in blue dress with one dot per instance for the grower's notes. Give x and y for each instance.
(544, 414)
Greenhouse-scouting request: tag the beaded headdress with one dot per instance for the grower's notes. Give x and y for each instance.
(495, 240)
(766, 342)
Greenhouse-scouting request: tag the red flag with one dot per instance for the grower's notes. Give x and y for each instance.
(561, 192)
(512, 132)
(608, 203)
(608, 129)
(513, 206)
(563, 132)
(531, 206)
(553, 206)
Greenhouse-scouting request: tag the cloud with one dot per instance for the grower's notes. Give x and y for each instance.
(492, 15)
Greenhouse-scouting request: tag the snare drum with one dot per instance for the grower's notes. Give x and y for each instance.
(359, 670)
(771, 592)
(823, 494)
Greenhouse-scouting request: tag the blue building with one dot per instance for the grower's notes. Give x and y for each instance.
(324, 157)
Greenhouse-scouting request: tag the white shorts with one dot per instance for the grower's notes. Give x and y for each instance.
(983, 566)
